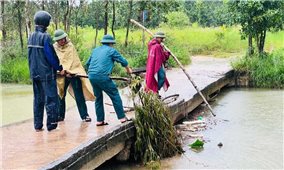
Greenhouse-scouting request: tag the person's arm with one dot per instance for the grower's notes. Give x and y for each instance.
(161, 53)
(51, 56)
(88, 63)
(128, 70)
(116, 56)
(166, 53)
(67, 60)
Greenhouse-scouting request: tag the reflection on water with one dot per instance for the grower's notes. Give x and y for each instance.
(252, 137)
(17, 103)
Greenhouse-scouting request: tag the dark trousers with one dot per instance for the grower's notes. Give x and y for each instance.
(104, 83)
(45, 94)
(161, 78)
(79, 98)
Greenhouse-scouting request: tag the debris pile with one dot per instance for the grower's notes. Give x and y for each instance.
(191, 129)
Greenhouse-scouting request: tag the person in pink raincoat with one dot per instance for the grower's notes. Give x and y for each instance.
(155, 69)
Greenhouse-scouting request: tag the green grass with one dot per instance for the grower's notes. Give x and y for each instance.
(15, 71)
(274, 41)
(265, 70)
(195, 40)
(183, 42)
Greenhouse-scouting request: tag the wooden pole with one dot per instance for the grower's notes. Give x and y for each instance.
(180, 65)
(86, 76)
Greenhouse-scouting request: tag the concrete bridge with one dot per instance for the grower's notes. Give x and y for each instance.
(82, 145)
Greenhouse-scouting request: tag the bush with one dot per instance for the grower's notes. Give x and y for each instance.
(12, 49)
(266, 70)
(15, 70)
(134, 53)
(177, 19)
(14, 64)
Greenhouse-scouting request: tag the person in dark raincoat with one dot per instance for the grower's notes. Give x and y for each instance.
(100, 66)
(43, 65)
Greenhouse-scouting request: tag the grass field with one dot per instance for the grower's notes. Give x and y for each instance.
(183, 42)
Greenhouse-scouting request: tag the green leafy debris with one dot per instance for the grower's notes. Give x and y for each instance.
(156, 137)
(197, 144)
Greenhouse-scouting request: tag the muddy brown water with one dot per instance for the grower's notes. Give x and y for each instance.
(249, 124)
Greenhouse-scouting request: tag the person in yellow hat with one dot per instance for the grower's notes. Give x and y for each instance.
(79, 87)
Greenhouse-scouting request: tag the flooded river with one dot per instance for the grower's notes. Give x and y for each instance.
(17, 103)
(249, 124)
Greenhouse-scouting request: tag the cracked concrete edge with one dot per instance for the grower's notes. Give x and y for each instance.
(180, 108)
(90, 149)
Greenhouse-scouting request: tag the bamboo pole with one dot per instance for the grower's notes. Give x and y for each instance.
(180, 65)
(86, 76)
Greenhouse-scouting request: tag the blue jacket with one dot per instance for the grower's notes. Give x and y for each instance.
(43, 61)
(102, 60)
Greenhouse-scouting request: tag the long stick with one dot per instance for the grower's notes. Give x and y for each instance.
(180, 65)
(86, 76)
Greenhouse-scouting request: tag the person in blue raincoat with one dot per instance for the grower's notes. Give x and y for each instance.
(43, 65)
(100, 66)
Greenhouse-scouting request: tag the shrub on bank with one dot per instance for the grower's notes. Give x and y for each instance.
(266, 70)
(15, 70)
(14, 64)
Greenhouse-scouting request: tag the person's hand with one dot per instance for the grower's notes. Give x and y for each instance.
(68, 75)
(62, 72)
(169, 53)
(128, 70)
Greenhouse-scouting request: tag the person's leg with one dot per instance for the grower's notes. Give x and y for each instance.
(62, 102)
(112, 91)
(79, 97)
(161, 78)
(51, 103)
(38, 104)
(99, 105)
